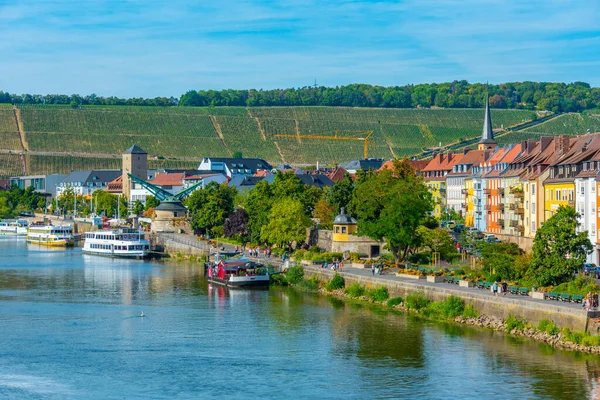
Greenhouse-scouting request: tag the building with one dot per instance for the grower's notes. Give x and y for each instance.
(456, 195)
(487, 141)
(44, 184)
(434, 175)
(87, 182)
(135, 162)
(233, 166)
(366, 164)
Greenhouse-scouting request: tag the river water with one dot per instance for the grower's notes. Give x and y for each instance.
(70, 329)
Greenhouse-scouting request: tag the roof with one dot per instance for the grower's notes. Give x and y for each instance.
(253, 164)
(365, 164)
(91, 176)
(116, 185)
(418, 165)
(135, 149)
(171, 206)
(245, 181)
(169, 179)
(487, 135)
(199, 176)
(344, 219)
(443, 162)
(316, 180)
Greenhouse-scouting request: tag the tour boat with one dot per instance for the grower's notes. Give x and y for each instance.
(122, 242)
(51, 235)
(238, 273)
(13, 227)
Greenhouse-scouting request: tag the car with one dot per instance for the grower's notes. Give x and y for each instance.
(490, 238)
(589, 268)
(448, 224)
(459, 228)
(26, 214)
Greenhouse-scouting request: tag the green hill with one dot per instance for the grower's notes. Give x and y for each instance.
(62, 138)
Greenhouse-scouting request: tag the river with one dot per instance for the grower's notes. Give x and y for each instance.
(70, 329)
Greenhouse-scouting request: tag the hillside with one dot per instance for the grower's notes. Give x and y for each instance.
(62, 138)
(564, 124)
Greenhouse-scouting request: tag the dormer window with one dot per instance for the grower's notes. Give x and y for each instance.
(585, 166)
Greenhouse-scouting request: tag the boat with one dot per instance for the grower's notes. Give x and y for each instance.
(14, 227)
(238, 273)
(51, 235)
(121, 242)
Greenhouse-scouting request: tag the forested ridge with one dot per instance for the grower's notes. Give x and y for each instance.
(556, 97)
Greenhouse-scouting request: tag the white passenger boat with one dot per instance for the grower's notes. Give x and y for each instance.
(51, 235)
(122, 242)
(13, 227)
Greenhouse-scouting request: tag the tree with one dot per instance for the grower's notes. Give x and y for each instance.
(325, 213)
(501, 258)
(151, 202)
(258, 206)
(237, 224)
(439, 241)
(237, 154)
(340, 193)
(287, 223)
(558, 249)
(391, 209)
(138, 207)
(210, 206)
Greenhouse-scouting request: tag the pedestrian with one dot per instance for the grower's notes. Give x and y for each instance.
(495, 288)
(373, 269)
(342, 266)
(504, 288)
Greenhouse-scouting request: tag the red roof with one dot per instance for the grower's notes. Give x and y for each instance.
(116, 186)
(166, 179)
(443, 162)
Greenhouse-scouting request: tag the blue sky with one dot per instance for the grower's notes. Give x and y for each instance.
(162, 48)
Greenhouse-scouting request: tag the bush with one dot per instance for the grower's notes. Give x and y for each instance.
(311, 284)
(337, 282)
(581, 285)
(380, 293)
(459, 272)
(295, 274)
(513, 322)
(419, 258)
(355, 290)
(417, 301)
(548, 326)
(329, 256)
(279, 279)
(395, 301)
(452, 307)
(470, 311)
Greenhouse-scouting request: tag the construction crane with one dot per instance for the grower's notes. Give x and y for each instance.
(366, 140)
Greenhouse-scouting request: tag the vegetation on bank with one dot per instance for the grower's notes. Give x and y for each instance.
(452, 308)
(15, 201)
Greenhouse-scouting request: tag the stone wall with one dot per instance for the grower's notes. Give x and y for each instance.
(174, 245)
(533, 312)
(358, 244)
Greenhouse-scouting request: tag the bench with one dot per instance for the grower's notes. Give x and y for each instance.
(447, 279)
(552, 296)
(513, 290)
(480, 285)
(576, 298)
(524, 291)
(565, 297)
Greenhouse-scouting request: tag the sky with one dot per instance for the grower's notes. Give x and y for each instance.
(164, 48)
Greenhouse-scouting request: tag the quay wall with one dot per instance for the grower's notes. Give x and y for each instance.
(499, 307)
(173, 244)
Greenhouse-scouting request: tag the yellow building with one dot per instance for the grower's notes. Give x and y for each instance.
(558, 194)
(343, 225)
(438, 193)
(470, 202)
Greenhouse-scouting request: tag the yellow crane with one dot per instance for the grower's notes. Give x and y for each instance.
(366, 140)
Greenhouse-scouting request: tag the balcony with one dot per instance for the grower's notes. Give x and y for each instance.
(487, 191)
(442, 191)
(487, 207)
(501, 206)
(520, 210)
(512, 206)
(464, 191)
(501, 221)
(464, 206)
(514, 224)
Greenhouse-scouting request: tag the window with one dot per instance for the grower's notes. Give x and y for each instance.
(343, 229)
(582, 189)
(593, 188)
(337, 229)
(593, 208)
(533, 208)
(593, 227)
(533, 226)
(533, 189)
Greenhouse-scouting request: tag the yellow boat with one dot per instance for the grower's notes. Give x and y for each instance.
(51, 235)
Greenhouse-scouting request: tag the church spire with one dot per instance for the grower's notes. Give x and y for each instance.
(487, 140)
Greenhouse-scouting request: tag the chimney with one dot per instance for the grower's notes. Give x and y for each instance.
(465, 151)
(544, 142)
(524, 146)
(530, 145)
(565, 143)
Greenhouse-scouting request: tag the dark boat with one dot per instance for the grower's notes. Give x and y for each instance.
(238, 273)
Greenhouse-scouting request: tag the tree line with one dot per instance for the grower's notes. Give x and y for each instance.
(556, 97)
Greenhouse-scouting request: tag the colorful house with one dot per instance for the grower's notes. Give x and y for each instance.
(434, 175)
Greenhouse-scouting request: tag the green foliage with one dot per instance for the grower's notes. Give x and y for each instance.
(379, 293)
(470, 311)
(337, 282)
(452, 307)
(438, 240)
(324, 213)
(417, 301)
(354, 256)
(279, 279)
(506, 260)
(138, 207)
(340, 194)
(548, 326)
(513, 322)
(355, 290)
(581, 285)
(295, 274)
(391, 205)
(16, 200)
(558, 249)
(287, 223)
(311, 284)
(210, 206)
(151, 202)
(394, 301)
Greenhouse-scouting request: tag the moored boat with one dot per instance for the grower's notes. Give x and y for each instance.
(51, 235)
(238, 273)
(13, 227)
(122, 242)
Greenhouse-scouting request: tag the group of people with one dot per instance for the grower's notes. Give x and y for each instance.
(500, 287)
(376, 269)
(336, 265)
(590, 301)
(255, 252)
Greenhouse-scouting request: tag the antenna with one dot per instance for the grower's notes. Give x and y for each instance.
(315, 85)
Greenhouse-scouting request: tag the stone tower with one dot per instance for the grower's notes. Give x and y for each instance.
(135, 162)
(487, 141)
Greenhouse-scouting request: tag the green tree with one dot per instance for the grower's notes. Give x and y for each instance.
(287, 223)
(151, 202)
(138, 207)
(210, 206)
(325, 213)
(392, 208)
(258, 206)
(340, 193)
(439, 241)
(558, 249)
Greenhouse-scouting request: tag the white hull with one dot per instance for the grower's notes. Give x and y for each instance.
(121, 243)
(117, 254)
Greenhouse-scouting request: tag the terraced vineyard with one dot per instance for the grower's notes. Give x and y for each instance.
(61, 138)
(568, 124)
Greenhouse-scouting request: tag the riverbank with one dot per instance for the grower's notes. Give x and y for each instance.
(545, 330)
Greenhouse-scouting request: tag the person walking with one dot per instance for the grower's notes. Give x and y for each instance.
(504, 288)
(342, 266)
(495, 288)
(373, 269)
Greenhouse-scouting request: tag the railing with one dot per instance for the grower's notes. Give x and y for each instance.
(487, 191)
(464, 191)
(501, 206)
(464, 205)
(514, 224)
(184, 240)
(512, 206)
(520, 210)
(501, 221)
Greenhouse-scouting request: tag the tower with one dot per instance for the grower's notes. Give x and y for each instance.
(135, 162)
(487, 141)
